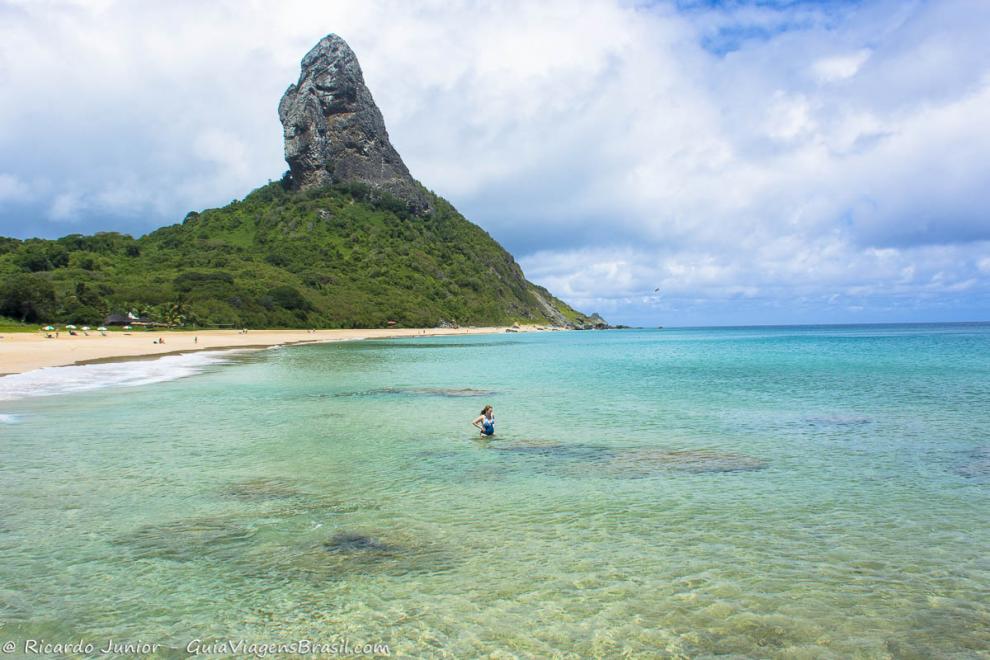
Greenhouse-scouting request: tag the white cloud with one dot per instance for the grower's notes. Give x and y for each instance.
(789, 118)
(840, 67)
(12, 189)
(65, 207)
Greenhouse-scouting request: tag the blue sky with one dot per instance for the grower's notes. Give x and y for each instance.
(758, 162)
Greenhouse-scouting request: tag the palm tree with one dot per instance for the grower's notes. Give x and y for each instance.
(174, 313)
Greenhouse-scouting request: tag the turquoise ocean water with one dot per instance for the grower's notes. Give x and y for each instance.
(770, 492)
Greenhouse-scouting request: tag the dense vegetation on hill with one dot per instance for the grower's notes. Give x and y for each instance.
(342, 256)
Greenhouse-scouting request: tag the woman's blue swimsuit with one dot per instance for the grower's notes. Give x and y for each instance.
(488, 426)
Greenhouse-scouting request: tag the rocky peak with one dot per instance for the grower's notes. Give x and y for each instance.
(335, 133)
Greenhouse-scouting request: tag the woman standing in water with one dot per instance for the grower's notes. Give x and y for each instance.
(486, 421)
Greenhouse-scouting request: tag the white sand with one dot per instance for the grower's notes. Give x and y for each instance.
(21, 351)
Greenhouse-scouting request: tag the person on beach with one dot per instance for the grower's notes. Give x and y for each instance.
(486, 421)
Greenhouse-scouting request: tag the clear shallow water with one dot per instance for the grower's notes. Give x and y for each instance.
(792, 492)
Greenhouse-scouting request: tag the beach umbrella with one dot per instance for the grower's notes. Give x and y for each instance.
(127, 327)
(85, 328)
(49, 328)
(102, 329)
(70, 327)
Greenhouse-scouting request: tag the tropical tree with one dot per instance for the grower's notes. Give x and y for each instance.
(173, 313)
(28, 297)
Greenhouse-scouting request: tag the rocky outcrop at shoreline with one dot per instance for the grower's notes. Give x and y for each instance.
(593, 322)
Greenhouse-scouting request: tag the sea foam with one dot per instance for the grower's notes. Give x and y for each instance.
(80, 378)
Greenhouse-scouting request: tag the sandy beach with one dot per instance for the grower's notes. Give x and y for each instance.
(20, 352)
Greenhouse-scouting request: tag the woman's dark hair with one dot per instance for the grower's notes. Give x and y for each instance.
(486, 409)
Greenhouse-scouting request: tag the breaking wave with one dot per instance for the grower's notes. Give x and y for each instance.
(51, 381)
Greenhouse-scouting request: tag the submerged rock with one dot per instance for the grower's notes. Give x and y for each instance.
(642, 462)
(619, 461)
(579, 460)
(449, 391)
(526, 444)
(353, 542)
(557, 451)
(351, 553)
(189, 539)
(260, 489)
(334, 132)
(290, 501)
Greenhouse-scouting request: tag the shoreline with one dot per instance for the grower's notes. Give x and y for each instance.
(24, 352)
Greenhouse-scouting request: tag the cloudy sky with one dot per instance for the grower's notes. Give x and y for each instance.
(758, 162)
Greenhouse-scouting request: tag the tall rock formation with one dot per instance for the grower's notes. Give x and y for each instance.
(334, 132)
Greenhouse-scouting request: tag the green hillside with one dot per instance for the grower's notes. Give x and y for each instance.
(346, 256)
